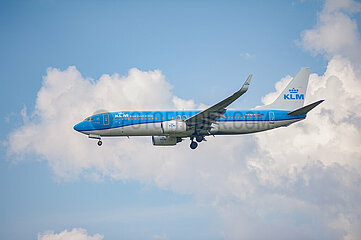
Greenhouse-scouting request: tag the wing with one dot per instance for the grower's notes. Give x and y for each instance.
(202, 121)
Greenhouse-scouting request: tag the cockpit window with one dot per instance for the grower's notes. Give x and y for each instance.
(89, 119)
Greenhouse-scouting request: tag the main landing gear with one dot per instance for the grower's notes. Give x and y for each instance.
(199, 138)
(193, 145)
(100, 142)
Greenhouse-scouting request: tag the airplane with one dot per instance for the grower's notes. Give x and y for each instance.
(167, 128)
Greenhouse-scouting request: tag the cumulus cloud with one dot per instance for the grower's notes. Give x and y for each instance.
(74, 234)
(181, 104)
(305, 171)
(66, 98)
(270, 97)
(332, 132)
(314, 166)
(335, 32)
(299, 182)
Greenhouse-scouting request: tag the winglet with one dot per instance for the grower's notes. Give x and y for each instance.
(219, 108)
(305, 109)
(246, 84)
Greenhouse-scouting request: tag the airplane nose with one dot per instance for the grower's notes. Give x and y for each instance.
(77, 127)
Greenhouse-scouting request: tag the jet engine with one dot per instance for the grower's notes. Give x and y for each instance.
(174, 126)
(165, 140)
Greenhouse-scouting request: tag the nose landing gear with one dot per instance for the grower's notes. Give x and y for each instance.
(96, 137)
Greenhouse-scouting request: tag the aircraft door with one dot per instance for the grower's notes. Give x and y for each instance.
(106, 119)
(271, 117)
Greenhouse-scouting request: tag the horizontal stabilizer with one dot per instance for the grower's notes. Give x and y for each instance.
(305, 109)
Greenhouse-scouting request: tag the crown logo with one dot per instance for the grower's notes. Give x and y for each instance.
(293, 90)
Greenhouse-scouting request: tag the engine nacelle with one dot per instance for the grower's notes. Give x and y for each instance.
(174, 126)
(165, 140)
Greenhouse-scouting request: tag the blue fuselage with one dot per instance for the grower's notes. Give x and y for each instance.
(150, 123)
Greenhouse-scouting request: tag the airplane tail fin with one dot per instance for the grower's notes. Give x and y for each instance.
(293, 96)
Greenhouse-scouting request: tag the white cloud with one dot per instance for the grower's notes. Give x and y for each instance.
(331, 132)
(162, 236)
(336, 32)
(270, 97)
(296, 182)
(267, 179)
(247, 56)
(74, 234)
(66, 98)
(181, 104)
(348, 6)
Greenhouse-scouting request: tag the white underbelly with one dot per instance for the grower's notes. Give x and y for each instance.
(244, 127)
(145, 129)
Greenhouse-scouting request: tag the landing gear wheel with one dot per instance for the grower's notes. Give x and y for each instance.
(100, 143)
(194, 145)
(199, 138)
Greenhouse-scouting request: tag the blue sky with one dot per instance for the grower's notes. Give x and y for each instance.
(190, 42)
(201, 48)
